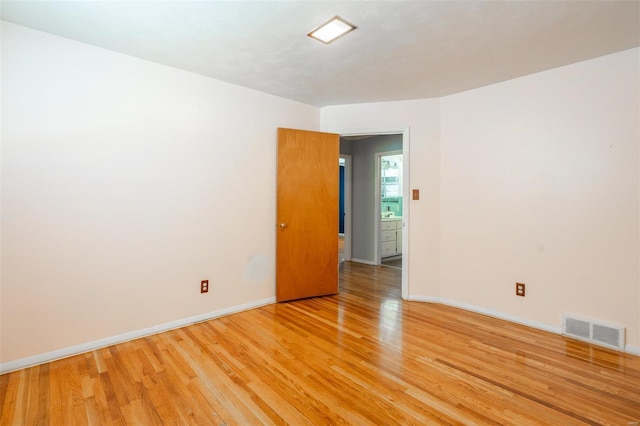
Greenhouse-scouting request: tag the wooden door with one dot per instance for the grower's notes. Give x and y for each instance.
(307, 214)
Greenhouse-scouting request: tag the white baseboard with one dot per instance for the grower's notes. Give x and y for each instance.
(108, 341)
(634, 350)
(366, 262)
(125, 337)
(631, 349)
(491, 313)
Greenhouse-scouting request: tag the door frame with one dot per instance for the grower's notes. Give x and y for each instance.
(378, 201)
(347, 205)
(406, 191)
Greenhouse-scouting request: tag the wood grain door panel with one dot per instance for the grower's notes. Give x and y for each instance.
(307, 214)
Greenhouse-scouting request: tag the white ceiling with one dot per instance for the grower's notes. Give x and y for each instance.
(401, 50)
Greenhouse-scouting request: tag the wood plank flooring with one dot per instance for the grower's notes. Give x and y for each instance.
(364, 357)
(394, 262)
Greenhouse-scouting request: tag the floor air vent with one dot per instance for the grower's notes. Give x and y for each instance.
(593, 331)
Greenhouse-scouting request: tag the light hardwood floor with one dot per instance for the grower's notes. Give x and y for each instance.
(361, 357)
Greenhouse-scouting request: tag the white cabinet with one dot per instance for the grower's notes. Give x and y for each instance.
(388, 236)
(391, 237)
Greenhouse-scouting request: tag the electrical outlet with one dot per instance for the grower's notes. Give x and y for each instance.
(204, 286)
(520, 289)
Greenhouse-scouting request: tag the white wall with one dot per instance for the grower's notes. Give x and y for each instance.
(540, 185)
(423, 119)
(124, 183)
(533, 180)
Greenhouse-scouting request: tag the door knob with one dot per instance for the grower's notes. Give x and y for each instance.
(283, 225)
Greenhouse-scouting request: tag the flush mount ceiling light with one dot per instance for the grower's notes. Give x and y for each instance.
(332, 29)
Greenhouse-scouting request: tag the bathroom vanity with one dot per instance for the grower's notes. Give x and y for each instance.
(391, 236)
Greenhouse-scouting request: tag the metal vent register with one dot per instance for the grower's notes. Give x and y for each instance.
(593, 331)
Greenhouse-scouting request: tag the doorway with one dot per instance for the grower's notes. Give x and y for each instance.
(367, 219)
(389, 167)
